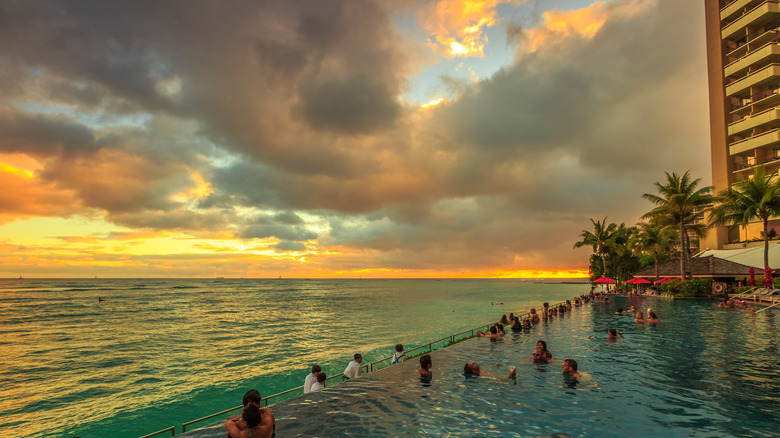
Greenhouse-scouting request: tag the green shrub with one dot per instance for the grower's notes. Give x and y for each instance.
(698, 287)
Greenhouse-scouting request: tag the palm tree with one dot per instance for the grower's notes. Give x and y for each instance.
(676, 204)
(653, 239)
(749, 199)
(603, 239)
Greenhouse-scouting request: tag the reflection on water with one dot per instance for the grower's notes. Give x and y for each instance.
(157, 353)
(702, 372)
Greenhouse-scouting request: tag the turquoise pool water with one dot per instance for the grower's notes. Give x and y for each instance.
(702, 372)
(158, 353)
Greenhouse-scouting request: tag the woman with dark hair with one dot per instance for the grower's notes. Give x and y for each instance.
(425, 366)
(516, 326)
(544, 353)
(503, 320)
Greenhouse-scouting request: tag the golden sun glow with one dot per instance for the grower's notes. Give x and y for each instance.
(584, 23)
(432, 103)
(458, 26)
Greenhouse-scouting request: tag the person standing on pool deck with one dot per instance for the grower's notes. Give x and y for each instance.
(353, 369)
(399, 355)
(570, 368)
(311, 379)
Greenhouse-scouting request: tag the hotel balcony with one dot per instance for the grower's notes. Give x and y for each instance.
(757, 16)
(763, 76)
(770, 159)
(767, 118)
(742, 46)
(763, 139)
(735, 8)
(744, 107)
(767, 54)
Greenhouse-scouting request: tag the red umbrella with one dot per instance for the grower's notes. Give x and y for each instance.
(604, 280)
(638, 281)
(665, 280)
(752, 277)
(767, 277)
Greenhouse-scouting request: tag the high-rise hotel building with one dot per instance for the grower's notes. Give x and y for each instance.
(743, 63)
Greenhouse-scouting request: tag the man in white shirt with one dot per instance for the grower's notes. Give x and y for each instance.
(353, 369)
(311, 379)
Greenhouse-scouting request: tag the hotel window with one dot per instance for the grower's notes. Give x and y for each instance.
(750, 161)
(776, 153)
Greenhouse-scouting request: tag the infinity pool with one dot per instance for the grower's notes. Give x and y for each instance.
(701, 372)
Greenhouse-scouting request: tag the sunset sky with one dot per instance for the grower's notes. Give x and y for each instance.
(329, 138)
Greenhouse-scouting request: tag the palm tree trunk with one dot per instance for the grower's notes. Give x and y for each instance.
(603, 266)
(766, 244)
(655, 256)
(682, 250)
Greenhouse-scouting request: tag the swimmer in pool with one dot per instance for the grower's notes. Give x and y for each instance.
(425, 367)
(612, 335)
(570, 368)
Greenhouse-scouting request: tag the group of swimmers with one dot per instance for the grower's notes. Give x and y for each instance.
(256, 422)
(734, 303)
(652, 318)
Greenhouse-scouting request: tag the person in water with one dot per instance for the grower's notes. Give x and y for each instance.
(503, 320)
(311, 379)
(320, 383)
(612, 335)
(472, 369)
(516, 325)
(534, 316)
(399, 355)
(425, 366)
(493, 333)
(652, 318)
(544, 353)
(570, 368)
(640, 317)
(619, 311)
(353, 368)
(255, 422)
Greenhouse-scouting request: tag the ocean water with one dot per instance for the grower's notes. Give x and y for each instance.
(157, 353)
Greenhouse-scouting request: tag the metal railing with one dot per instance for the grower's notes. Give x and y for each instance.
(729, 23)
(370, 367)
(171, 429)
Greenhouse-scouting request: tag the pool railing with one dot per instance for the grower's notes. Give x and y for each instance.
(367, 368)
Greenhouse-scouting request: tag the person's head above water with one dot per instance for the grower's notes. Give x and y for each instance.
(252, 396)
(541, 345)
(251, 415)
(471, 368)
(425, 362)
(569, 366)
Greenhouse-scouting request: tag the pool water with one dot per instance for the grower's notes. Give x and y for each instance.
(701, 372)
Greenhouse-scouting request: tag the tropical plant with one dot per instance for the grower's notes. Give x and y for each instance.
(751, 199)
(652, 239)
(603, 239)
(676, 204)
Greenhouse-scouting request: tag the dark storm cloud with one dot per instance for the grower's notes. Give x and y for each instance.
(42, 135)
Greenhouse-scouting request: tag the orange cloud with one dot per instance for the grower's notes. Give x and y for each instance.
(458, 26)
(24, 194)
(583, 23)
